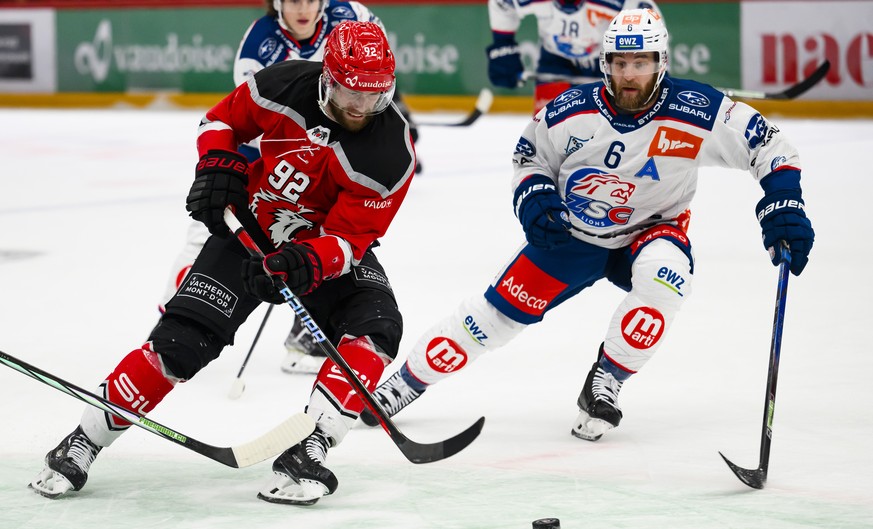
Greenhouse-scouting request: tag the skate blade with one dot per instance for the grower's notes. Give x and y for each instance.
(591, 429)
(285, 490)
(297, 363)
(50, 484)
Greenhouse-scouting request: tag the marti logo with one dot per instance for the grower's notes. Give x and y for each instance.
(642, 327)
(444, 355)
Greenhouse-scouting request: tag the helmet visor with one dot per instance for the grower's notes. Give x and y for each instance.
(356, 102)
(631, 64)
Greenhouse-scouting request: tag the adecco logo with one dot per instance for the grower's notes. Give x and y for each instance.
(97, 57)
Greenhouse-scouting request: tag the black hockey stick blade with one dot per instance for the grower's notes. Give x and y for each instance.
(414, 452)
(483, 105)
(791, 92)
(753, 478)
(290, 432)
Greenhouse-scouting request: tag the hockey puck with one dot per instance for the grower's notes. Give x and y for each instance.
(547, 523)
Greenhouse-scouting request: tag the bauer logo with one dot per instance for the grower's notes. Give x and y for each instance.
(629, 42)
(208, 290)
(695, 99)
(642, 327)
(444, 355)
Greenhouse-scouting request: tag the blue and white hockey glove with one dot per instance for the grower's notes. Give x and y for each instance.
(504, 61)
(542, 213)
(782, 217)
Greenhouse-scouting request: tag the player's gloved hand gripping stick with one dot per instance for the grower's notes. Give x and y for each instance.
(415, 452)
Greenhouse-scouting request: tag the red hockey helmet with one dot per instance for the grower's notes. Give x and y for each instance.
(568, 6)
(358, 74)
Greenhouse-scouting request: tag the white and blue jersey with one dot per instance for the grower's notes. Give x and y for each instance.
(620, 174)
(569, 42)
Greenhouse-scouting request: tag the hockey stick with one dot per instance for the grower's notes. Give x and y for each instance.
(791, 92)
(483, 104)
(757, 477)
(415, 452)
(239, 385)
(289, 433)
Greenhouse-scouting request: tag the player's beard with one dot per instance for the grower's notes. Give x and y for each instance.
(347, 120)
(640, 99)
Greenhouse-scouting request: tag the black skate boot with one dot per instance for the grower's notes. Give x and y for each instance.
(394, 394)
(304, 356)
(66, 467)
(300, 475)
(598, 404)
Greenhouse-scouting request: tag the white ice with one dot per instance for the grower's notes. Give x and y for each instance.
(92, 208)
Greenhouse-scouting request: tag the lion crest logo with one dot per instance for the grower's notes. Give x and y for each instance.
(598, 198)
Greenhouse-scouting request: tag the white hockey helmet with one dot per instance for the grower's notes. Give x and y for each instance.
(635, 31)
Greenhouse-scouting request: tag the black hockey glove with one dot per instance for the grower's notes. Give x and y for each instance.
(782, 217)
(298, 265)
(542, 213)
(504, 62)
(219, 181)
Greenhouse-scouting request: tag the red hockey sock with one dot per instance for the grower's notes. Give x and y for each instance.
(362, 357)
(138, 383)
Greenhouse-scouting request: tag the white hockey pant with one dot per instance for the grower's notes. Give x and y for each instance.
(472, 329)
(661, 281)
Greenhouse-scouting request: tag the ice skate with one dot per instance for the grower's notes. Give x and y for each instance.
(66, 467)
(300, 475)
(598, 405)
(394, 395)
(304, 356)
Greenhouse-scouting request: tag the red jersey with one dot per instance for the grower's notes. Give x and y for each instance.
(314, 178)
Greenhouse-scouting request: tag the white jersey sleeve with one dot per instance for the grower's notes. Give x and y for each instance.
(504, 16)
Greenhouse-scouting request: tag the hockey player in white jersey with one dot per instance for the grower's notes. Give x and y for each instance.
(569, 33)
(291, 30)
(604, 176)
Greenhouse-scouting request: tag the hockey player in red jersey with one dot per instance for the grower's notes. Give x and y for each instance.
(336, 164)
(604, 176)
(290, 30)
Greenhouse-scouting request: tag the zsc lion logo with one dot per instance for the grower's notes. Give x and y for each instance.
(598, 199)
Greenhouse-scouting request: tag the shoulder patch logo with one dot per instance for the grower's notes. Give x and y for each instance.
(674, 142)
(695, 99)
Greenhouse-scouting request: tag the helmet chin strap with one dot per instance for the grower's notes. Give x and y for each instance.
(323, 99)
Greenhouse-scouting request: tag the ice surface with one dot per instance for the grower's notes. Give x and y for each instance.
(92, 206)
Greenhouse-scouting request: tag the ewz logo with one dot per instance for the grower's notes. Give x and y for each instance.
(629, 42)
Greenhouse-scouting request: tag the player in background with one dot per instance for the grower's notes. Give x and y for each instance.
(603, 179)
(569, 33)
(336, 163)
(300, 32)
